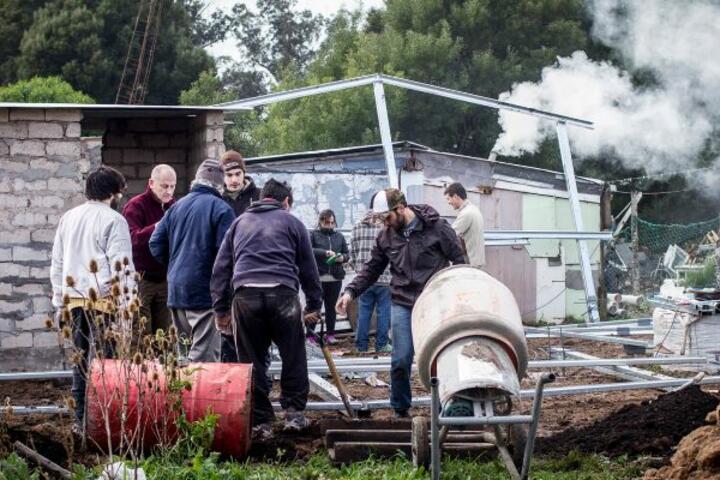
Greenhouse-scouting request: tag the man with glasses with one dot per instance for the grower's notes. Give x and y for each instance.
(416, 243)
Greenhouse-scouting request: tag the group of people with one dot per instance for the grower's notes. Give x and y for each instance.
(225, 263)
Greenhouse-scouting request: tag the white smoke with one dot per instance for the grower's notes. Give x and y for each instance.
(659, 128)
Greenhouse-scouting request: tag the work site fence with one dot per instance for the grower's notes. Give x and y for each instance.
(691, 259)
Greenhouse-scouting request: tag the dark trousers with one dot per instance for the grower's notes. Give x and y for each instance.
(86, 341)
(331, 292)
(262, 316)
(153, 305)
(227, 349)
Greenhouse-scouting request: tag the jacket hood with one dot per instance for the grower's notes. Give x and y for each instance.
(265, 206)
(426, 213)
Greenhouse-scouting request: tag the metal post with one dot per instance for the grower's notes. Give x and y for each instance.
(585, 267)
(385, 135)
(635, 267)
(532, 430)
(434, 429)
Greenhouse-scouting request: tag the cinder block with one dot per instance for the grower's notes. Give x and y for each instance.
(154, 140)
(135, 156)
(33, 148)
(29, 219)
(43, 235)
(27, 114)
(14, 130)
(20, 340)
(33, 322)
(69, 148)
(179, 140)
(17, 164)
(46, 339)
(4, 115)
(172, 124)
(14, 306)
(51, 201)
(5, 254)
(214, 134)
(63, 115)
(8, 200)
(130, 171)
(22, 186)
(42, 305)
(112, 156)
(64, 185)
(6, 290)
(26, 254)
(171, 156)
(15, 270)
(15, 235)
(142, 125)
(32, 289)
(117, 140)
(46, 164)
(7, 324)
(40, 273)
(213, 118)
(45, 130)
(5, 185)
(4, 148)
(72, 130)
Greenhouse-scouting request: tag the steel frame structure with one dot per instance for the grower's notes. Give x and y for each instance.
(378, 82)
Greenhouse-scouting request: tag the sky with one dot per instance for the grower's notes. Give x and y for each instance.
(326, 7)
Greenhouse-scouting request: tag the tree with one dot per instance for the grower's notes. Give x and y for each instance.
(87, 42)
(478, 46)
(43, 90)
(16, 16)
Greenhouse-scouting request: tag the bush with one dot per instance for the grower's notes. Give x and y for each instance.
(43, 90)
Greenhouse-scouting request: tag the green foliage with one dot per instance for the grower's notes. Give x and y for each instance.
(478, 46)
(318, 467)
(15, 468)
(704, 278)
(43, 90)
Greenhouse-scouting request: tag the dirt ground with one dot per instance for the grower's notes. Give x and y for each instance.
(634, 422)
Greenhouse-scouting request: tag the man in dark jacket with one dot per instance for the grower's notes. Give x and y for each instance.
(142, 213)
(264, 260)
(416, 243)
(239, 192)
(187, 239)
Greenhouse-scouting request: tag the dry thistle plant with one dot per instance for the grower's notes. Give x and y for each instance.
(134, 385)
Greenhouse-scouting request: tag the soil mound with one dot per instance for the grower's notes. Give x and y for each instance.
(697, 458)
(647, 428)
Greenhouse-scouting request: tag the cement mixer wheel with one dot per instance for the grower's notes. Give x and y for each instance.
(420, 443)
(517, 439)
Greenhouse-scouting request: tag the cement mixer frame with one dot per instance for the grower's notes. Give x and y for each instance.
(522, 442)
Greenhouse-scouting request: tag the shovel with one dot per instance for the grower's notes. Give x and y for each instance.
(333, 371)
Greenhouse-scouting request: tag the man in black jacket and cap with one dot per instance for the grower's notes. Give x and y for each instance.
(417, 243)
(263, 261)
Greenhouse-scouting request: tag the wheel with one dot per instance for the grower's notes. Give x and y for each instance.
(517, 439)
(420, 443)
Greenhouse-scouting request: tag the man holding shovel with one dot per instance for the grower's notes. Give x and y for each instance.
(263, 261)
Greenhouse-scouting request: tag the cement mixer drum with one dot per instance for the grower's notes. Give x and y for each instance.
(468, 332)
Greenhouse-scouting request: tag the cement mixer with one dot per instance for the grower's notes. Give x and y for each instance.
(471, 353)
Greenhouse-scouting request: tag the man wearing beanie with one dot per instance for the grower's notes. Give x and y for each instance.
(187, 240)
(239, 192)
(416, 243)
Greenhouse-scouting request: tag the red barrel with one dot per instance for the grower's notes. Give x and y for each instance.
(224, 389)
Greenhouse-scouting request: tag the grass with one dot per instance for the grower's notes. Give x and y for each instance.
(572, 467)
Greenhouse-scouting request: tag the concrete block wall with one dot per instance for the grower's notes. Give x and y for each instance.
(134, 146)
(42, 168)
(207, 140)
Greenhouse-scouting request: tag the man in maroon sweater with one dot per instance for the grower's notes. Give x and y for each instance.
(142, 213)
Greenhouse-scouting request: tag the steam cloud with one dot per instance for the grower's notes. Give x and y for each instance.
(662, 127)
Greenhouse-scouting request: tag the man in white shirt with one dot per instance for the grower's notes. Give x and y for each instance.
(91, 233)
(469, 224)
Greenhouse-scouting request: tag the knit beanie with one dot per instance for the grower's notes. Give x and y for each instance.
(210, 171)
(232, 160)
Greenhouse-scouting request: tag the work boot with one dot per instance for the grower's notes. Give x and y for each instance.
(262, 432)
(295, 420)
(330, 339)
(402, 414)
(311, 340)
(387, 348)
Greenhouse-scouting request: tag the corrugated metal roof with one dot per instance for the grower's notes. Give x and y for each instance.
(95, 110)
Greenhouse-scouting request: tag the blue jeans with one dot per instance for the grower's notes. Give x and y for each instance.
(375, 297)
(402, 358)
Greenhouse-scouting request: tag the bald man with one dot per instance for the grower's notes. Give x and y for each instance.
(142, 213)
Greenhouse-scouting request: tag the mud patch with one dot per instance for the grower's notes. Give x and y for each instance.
(697, 458)
(647, 428)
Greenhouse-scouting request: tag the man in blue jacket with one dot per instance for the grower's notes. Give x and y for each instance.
(264, 260)
(187, 240)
